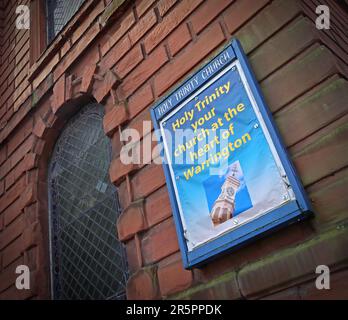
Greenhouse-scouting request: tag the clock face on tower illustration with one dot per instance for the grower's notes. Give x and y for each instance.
(230, 191)
(226, 193)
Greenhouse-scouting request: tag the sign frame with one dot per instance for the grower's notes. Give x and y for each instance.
(288, 213)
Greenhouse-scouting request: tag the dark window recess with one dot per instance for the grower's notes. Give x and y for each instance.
(59, 12)
(87, 259)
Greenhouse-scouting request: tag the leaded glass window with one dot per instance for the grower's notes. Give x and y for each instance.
(59, 12)
(87, 259)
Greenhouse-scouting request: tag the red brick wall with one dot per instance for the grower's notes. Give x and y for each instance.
(127, 58)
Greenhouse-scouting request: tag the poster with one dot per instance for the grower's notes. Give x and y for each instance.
(232, 176)
(227, 173)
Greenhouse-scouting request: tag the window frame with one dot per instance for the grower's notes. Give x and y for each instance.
(38, 30)
(41, 50)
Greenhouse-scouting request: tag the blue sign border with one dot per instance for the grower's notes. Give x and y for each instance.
(294, 210)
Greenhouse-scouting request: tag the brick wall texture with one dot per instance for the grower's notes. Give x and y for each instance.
(128, 57)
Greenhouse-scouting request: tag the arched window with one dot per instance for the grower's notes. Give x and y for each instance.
(87, 260)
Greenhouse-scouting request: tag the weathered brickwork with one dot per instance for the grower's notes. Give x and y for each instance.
(126, 55)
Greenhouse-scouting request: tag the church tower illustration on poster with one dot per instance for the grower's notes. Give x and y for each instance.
(224, 205)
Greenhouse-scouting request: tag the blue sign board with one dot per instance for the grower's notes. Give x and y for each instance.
(228, 174)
